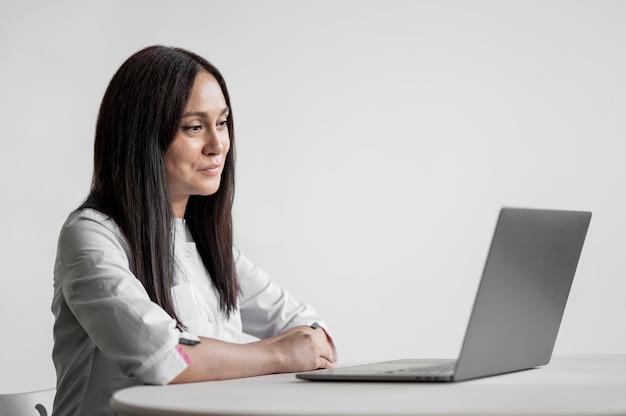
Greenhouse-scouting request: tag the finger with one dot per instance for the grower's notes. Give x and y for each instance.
(324, 363)
(326, 355)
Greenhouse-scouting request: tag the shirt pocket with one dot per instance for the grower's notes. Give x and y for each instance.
(185, 301)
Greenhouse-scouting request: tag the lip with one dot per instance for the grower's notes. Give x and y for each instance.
(212, 170)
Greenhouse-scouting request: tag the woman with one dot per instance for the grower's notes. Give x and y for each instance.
(148, 287)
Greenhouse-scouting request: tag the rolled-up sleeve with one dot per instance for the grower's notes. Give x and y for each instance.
(111, 305)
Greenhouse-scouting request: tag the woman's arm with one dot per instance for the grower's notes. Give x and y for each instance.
(320, 334)
(270, 313)
(297, 350)
(99, 301)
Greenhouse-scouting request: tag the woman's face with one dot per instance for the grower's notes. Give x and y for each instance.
(195, 159)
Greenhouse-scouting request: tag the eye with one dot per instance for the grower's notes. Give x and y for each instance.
(222, 124)
(195, 128)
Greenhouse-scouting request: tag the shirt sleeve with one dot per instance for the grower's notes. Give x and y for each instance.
(266, 309)
(112, 306)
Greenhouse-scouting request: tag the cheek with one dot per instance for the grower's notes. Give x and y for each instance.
(226, 145)
(169, 171)
(172, 161)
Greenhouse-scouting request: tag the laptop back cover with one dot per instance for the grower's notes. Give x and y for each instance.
(523, 292)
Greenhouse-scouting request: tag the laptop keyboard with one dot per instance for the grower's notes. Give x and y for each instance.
(433, 369)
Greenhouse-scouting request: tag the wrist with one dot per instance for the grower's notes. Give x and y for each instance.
(275, 357)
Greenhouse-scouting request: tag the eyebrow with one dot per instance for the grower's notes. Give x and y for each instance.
(203, 114)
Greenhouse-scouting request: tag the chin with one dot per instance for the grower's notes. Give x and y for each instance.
(208, 191)
(208, 188)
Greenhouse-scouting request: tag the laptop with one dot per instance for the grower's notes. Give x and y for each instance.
(517, 310)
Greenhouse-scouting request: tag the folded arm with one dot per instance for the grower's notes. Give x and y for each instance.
(299, 349)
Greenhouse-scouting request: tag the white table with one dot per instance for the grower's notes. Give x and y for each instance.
(569, 385)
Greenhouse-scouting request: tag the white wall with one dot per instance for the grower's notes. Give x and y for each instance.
(377, 142)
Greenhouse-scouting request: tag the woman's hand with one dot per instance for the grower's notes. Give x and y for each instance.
(302, 349)
(320, 338)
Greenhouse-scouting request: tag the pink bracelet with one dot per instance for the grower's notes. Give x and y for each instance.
(183, 354)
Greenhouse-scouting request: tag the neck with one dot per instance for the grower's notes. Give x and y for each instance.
(179, 206)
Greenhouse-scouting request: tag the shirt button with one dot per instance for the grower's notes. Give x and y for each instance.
(187, 253)
(211, 319)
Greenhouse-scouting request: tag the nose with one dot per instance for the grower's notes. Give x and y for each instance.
(213, 144)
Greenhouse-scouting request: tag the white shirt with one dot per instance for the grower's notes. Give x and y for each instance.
(109, 334)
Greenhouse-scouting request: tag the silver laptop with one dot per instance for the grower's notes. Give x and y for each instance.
(518, 308)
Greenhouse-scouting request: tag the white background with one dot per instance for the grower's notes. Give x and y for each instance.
(376, 143)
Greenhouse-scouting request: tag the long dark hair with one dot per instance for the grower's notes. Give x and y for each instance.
(138, 119)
